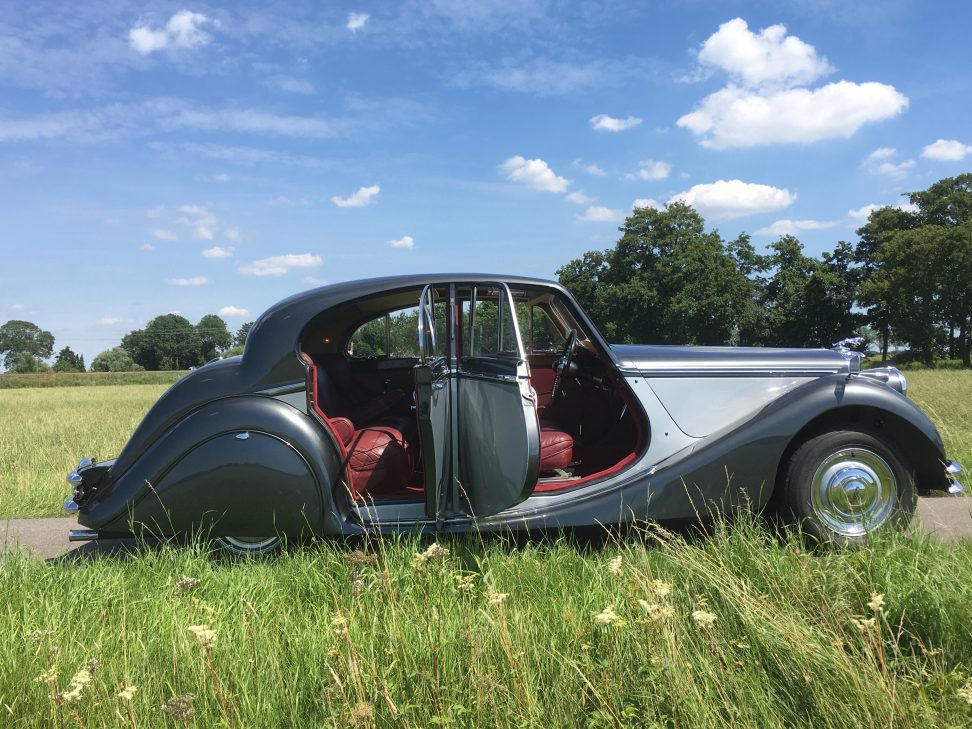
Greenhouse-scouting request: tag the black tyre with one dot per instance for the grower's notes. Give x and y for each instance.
(842, 484)
(248, 546)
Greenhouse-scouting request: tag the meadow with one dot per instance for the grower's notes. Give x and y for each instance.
(742, 628)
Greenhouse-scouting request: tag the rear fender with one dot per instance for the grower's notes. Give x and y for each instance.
(243, 466)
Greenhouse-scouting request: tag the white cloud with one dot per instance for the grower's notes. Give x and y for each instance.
(184, 30)
(534, 173)
(288, 202)
(734, 198)
(546, 77)
(770, 57)
(357, 21)
(17, 307)
(605, 123)
(737, 117)
(164, 234)
(859, 216)
(600, 214)
(292, 85)
(191, 281)
(650, 170)
(359, 199)
(792, 227)
(879, 162)
(406, 241)
(232, 233)
(946, 150)
(108, 321)
(314, 280)
(579, 197)
(147, 247)
(233, 311)
(279, 265)
(646, 202)
(218, 252)
(589, 168)
(221, 177)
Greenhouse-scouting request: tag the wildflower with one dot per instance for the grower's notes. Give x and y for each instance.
(340, 624)
(180, 708)
(877, 602)
(81, 679)
(186, 585)
(433, 554)
(465, 582)
(357, 558)
(127, 693)
(661, 589)
(608, 617)
(204, 634)
(49, 677)
(656, 613)
(362, 712)
(358, 586)
(703, 619)
(496, 598)
(93, 665)
(966, 693)
(864, 625)
(614, 566)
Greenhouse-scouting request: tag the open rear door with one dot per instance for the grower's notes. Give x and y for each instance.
(433, 397)
(498, 433)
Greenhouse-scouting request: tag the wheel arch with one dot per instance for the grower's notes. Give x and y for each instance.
(922, 454)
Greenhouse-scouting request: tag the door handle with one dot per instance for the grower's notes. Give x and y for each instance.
(438, 385)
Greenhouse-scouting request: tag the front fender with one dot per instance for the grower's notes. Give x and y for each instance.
(247, 465)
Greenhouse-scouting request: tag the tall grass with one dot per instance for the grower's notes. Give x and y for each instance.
(13, 380)
(45, 432)
(741, 629)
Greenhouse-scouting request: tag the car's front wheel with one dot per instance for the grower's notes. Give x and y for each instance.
(248, 546)
(842, 484)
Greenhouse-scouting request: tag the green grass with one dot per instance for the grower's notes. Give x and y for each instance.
(10, 381)
(325, 636)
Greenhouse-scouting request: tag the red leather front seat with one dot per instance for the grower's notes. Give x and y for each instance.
(556, 447)
(378, 457)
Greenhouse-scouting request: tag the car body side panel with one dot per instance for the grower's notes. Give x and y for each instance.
(736, 465)
(300, 471)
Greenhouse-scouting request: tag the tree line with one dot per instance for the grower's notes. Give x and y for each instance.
(907, 281)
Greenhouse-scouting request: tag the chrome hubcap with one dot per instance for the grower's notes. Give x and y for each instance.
(250, 544)
(853, 490)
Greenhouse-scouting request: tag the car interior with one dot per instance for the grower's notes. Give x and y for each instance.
(360, 359)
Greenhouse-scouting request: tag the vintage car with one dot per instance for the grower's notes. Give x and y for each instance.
(458, 402)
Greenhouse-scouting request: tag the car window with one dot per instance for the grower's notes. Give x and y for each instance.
(488, 327)
(391, 335)
(538, 331)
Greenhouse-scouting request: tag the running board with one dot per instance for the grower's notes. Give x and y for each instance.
(82, 535)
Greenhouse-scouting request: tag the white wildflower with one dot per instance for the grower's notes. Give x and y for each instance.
(703, 619)
(496, 598)
(608, 617)
(657, 613)
(877, 602)
(204, 634)
(127, 693)
(614, 566)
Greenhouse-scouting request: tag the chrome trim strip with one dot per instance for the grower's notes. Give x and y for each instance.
(287, 389)
(951, 467)
(82, 535)
(490, 377)
(714, 372)
(70, 505)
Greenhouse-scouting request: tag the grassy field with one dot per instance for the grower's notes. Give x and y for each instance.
(44, 432)
(9, 381)
(739, 629)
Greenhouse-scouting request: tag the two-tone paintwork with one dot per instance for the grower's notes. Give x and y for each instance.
(233, 447)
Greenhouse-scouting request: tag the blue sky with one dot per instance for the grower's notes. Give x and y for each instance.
(202, 158)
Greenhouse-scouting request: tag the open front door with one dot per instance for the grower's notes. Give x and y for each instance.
(498, 434)
(433, 396)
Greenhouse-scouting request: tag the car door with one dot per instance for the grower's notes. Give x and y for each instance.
(434, 391)
(498, 436)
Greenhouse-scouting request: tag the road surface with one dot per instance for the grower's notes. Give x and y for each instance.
(948, 519)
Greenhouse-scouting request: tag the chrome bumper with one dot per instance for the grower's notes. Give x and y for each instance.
(952, 470)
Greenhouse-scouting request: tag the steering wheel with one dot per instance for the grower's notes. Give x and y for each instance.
(563, 364)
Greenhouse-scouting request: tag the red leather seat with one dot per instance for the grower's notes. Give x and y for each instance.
(378, 457)
(556, 447)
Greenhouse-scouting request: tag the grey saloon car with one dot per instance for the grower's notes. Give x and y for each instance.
(451, 402)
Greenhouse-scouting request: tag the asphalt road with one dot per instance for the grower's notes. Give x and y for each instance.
(948, 519)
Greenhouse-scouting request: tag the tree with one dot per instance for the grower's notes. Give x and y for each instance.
(27, 363)
(239, 339)
(18, 338)
(68, 361)
(115, 359)
(213, 337)
(168, 342)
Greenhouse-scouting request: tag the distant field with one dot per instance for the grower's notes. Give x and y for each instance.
(81, 379)
(44, 432)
